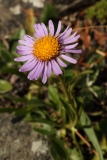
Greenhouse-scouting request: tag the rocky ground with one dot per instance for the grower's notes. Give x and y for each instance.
(19, 142)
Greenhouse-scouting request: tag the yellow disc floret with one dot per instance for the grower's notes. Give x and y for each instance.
(46, 48)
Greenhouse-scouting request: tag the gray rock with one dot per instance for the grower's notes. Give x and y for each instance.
(18, 141)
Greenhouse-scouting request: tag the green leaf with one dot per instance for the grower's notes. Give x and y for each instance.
(23, 111)
(5, 86)
(74, 154)
(53, 95)
(87, 126)
(13, 49)
(5, 55)
(45, 129)
(78, 78)
(8, 110)
(15, 99)
(49, 12)
(36, 103)
(91, 79)
(39, 120)
(69, 73)
(18, 34)
(18, 111)
(67, 108)
(2, 46)
(7, 69)
(100, 91)
(101, 131)
(54, 154)
(58, 148)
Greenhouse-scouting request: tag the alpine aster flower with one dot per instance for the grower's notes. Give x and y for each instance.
(45, 53)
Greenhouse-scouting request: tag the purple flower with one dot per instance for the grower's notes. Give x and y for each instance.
(45, 53)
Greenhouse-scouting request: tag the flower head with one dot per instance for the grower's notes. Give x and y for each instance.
(44, 54)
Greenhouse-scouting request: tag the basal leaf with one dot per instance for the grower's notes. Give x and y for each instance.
(45, 129)
(58, 145)
(35, 103)
(5, 86)
(7, 69)
(87, 126)
(5, 55)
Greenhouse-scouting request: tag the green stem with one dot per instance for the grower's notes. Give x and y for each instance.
(67, 94)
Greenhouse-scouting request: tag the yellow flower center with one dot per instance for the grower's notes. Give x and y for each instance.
(46, 48)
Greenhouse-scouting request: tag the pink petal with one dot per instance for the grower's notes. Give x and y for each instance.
(41, 30)
(63, 32)
(51, 28)
(28, 38)
(23, 58)
(58, 29)
(44, 28)
(49, 70)
(72, 51)
(69, 59)
(71, 46)
(44, 77)
(66, 34)
(38, 33)
(30, 75)
(71, 40)
(56, 68)
(25, 43)
(61, 63)
(28, 66)
(23, 48)
(39, 70)
(70, 37)
(23, 52)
